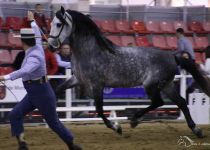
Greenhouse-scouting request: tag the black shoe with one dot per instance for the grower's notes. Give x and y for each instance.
(73, 146)
(23, 146)
(76, 147)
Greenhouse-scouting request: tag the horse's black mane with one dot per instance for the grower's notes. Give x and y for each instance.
(84, 26)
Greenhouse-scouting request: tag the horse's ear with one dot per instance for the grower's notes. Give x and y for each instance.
(62, 10)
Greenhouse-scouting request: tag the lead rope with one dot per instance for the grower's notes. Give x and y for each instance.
(41, 30)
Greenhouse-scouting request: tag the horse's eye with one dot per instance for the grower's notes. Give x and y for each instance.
(58, 25)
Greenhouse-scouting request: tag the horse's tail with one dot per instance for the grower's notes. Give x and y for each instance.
(199, 76)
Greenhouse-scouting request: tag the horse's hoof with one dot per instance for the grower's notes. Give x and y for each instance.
(23, 146)
(134, 123)
(76, 147)
(117, 128)
(198, 132)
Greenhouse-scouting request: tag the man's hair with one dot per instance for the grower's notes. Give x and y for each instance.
(180, 30)
(37, 5)
(64, 44)
(29, 42)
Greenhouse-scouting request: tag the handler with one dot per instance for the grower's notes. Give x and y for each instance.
(184, 46)
(39, 92)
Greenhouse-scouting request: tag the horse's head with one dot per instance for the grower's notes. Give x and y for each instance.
(61, 27)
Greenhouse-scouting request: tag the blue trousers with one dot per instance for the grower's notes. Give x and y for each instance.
(42, 97)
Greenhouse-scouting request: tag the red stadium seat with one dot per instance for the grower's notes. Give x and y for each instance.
(5, 70)
(48, 21)
(115, 39)
(139, 26)
(206, 27)
(25, 23)
(200, 57)
(128, 41)
(201, 42)
(181, 24)
(5, 57)
(108, 26)
(14, 23)
(14, 42)
(193, 42)
(196, 26)
(97, 22)
(171, 42)
(159, 42)
(166, 27)
(142, 41)
(123, 26)
(14, 54)
(4, 40)
(153, 26)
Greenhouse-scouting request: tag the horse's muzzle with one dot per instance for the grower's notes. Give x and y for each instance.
(54, 43)
(51, 48)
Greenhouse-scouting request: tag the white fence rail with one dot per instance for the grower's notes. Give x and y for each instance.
(113, 115)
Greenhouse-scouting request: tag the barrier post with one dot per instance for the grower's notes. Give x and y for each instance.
(183, 86)
(68, 95)
(127, 10)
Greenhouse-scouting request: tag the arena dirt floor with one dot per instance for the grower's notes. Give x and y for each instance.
(147, 136)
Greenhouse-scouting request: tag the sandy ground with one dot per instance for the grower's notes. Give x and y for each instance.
(147, 136)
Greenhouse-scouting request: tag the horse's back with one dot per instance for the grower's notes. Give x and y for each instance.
(131, 66)
(150, 56)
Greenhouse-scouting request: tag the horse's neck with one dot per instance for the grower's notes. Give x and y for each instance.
(84, 48)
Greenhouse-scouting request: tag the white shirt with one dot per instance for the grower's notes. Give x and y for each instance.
(62, 63)
(185, 45)
(206, 66)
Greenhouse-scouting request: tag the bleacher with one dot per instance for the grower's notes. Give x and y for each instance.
(160, 34)
(142, 29)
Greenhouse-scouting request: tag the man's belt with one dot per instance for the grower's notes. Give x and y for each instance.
(41, 80)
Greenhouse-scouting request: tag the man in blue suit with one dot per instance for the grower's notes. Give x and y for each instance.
(39, 92)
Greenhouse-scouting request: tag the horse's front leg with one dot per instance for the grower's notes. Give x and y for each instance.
(70, 83)
(98, 97)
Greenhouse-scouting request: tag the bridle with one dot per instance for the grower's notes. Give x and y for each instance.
(66, 19)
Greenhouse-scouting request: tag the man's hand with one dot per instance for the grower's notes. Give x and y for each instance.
(185, 55)
(199, 62)
(2, 78)
(30, 16)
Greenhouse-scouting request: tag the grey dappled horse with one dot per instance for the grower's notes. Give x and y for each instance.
(98, 63)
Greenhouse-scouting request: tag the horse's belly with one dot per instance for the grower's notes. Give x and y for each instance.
(123, 82)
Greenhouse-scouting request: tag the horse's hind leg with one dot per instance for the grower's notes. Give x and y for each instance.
(171, 92)
(154, 94)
